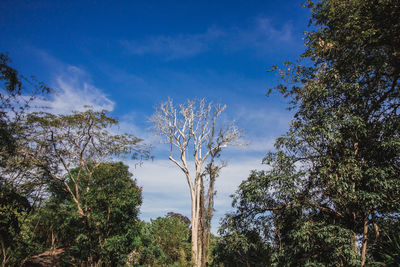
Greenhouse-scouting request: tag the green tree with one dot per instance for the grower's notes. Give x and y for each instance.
(173, 236)
(385, 248)
(270, 223)
(79, 140)
(344, 139)
(13, 207)
(334, 174)
(113, 202)
(13, 110)
(166, 242)
(111, 229)
(238, 246)
(15, 188)
(10, 89)
(149, 252)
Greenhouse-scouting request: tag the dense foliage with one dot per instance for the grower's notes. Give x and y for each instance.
(240, 246)
(16, 191)
(334, 179)
(165, 242)
(112, 228)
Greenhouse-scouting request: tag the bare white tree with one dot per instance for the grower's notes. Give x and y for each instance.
(193, 128)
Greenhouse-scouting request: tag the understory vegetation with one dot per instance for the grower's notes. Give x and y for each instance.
(329, 195)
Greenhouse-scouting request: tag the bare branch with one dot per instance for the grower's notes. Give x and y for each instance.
(195, 127)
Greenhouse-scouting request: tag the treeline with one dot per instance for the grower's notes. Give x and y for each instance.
(330, 194)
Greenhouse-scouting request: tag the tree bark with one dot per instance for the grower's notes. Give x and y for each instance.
(353, 236)
(3, 249)
(364, 240)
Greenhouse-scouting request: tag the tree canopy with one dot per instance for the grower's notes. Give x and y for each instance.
(334, 178)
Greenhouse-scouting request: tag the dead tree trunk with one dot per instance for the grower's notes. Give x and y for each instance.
(192, 128)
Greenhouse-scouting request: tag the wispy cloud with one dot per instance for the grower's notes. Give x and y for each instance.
(262, 124)
(265, 28)
(258, 34)
(262, 34)
(73, 92)
(174, 47)
(73, 88)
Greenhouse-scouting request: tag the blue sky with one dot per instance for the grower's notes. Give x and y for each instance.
(128, 56)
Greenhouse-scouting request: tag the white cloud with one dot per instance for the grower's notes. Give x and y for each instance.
(73, 88)
(261, 125)
(73, 92)
(165, 188)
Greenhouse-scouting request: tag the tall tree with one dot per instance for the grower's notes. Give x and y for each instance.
(193, 128)
(333, 181)
(346, 130)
